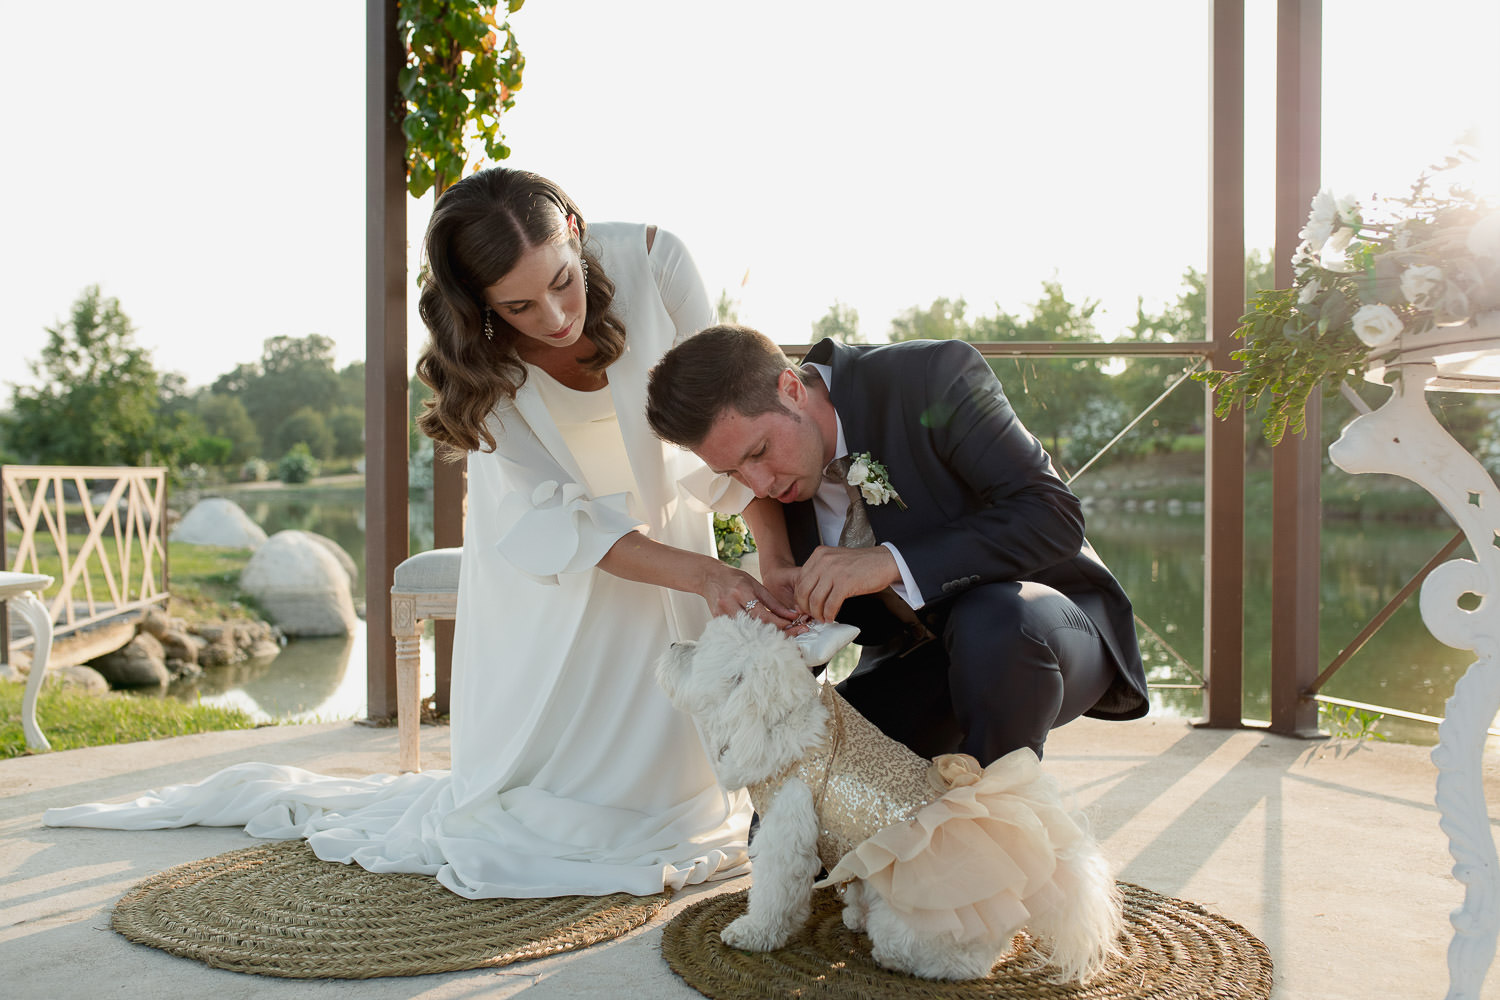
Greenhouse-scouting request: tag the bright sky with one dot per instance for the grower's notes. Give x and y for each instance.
(204, 162)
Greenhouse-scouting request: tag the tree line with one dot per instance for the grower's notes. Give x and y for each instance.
(99, 400)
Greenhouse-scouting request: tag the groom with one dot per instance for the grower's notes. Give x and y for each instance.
(986, 618)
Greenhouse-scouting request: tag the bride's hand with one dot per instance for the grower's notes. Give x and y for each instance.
(781, 582)
(730, 591)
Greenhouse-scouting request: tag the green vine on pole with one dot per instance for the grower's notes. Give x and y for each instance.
(462, 71)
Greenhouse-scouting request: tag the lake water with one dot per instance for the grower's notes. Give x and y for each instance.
(1158, 558)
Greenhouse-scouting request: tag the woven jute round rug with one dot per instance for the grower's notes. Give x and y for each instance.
(278, 910)
(1173, 950)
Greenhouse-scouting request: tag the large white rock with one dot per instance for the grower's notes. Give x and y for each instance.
(217, 521)
(300, 585)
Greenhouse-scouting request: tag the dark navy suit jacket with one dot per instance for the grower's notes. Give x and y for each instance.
(983, 503)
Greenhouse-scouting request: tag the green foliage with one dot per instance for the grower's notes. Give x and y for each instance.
(1144, 379)
(1048, 391)
(943, 320)
(254, 470)
(841, 322)
(727, 308)
(306, 427)
(206, 581)
(1349, 723)
(73, 719)
(347, 423)
(97, 398)
(462, 70)
(1286, 360)
(225, 417)
(732, 537)
(417, 395)
(298, 465)
(292, 373)
(1365, 285)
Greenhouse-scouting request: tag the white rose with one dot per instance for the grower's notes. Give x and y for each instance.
(1418, 283)
(858, 473)
(874, 493)
(1376, 325)
(1321, 221)
(1309, 292)
(1484, 237)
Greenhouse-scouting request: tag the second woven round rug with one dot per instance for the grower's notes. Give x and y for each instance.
(1173, 950)
(279, 910)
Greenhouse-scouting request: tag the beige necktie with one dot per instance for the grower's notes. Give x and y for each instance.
(858, 534)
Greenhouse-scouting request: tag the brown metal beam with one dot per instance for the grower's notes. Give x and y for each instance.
(385, 350)
(1224, 452)
(449, 489)
(1297, 462)
(1069, 349)
(1384, 614)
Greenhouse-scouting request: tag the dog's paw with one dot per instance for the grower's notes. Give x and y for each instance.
(750, 935)
(856, 910)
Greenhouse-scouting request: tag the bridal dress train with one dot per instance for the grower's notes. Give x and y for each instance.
(571, 772)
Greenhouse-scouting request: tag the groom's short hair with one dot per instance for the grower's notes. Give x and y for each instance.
(724, 367)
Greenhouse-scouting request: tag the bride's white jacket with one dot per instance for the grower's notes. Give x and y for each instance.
(532, 533)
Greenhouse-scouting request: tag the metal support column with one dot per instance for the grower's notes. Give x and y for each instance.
(449, 488)
(385, 349)
(1297, 462)
(1224, 456)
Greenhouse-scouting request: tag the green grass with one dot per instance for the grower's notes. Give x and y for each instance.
(72, 719)
(206, 583)
(204, 578)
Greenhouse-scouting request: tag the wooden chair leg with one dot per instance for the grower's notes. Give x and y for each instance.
(408, 698)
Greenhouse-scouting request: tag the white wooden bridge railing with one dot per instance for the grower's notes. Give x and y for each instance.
(99, 531)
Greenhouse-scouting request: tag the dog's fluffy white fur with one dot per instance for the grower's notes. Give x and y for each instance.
(759, 711)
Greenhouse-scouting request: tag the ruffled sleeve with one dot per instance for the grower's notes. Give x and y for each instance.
(709, 490)
(558, 528)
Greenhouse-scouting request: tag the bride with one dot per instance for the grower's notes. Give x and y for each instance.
(583, 560)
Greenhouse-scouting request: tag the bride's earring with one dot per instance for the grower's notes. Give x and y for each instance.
(489, 331)
(585, 262)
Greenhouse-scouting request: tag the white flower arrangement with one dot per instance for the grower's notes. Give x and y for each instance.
(1365, 279)
(873, 481)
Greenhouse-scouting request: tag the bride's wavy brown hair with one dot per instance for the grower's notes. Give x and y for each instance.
(480, 228)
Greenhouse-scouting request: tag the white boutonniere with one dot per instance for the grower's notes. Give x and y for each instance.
(873, 481)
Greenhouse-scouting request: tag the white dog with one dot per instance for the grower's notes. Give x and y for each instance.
(941, 862)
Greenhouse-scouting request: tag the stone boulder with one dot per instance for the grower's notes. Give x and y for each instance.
(139, 663)
(301, 586)
(226, 643)
(344, 558)
(217, 521)
(77, 677)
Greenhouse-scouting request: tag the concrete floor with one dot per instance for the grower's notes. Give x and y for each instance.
(1329, 853)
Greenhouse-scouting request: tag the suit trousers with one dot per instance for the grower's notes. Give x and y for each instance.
(1010, 662)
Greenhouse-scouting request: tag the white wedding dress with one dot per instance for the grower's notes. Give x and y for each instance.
(571, 772)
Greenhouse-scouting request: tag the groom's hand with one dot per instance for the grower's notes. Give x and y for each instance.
(832, 575)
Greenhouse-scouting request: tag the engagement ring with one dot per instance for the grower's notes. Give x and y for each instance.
(750, 605)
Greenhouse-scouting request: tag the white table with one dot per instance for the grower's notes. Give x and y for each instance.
(1403, 438)
(20, 591)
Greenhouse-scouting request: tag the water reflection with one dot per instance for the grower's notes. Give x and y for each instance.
(1159, 560)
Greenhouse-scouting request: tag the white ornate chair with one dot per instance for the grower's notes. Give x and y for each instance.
(424, 587)
(22, 590)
